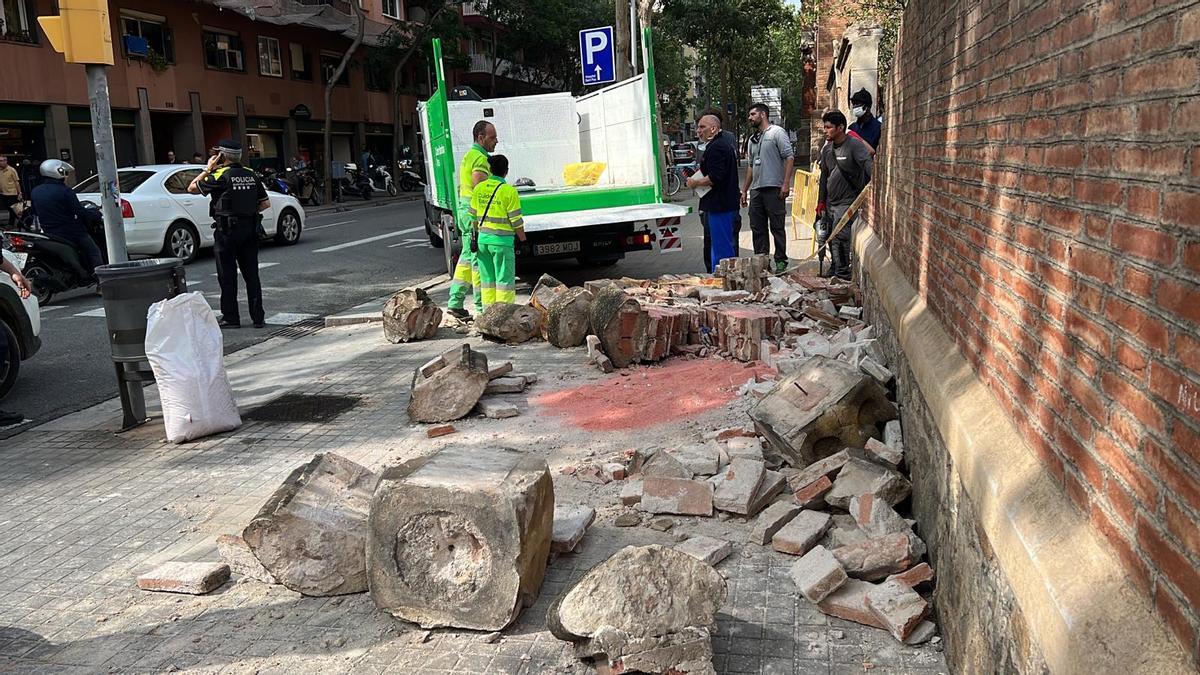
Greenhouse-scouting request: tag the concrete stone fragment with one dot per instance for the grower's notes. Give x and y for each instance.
(627, 519)
(881, 374)
(662, 524)
(676, 495)
(817, 574)
(746, 448)
(893, 435)
(923, 633)
(449, 392)
(461, 538)
(885, 454)
(741, 330)
(813, 495)
(860, 477)
(494, 408)
(500, 370)
(410, 314)
(915, 576)
(823, 408)
(544, 291)
(737, 485)
(530, 378)
(613, 471)
(593, 347)
(801, 533)
(439, 431)
(570, 524)
(827, 467)
(505, 385)
(666, 465)
(568, 318)
(702, 459)
(625, 593)
(620, 323)
(709, 549)
(631, 493)
(684, 652)
(605, 364)
(194, 578)
(311, 533)
(237, 554)
(875, 559)
(876, 517)
(510, 323)
(898, 607)
(850, 603)
(845, 531)
(773, 484)
(771, 521)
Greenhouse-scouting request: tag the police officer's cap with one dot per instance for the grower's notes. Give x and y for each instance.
(230, 145)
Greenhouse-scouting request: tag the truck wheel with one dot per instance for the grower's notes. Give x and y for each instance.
(451, 247)
(435, 234)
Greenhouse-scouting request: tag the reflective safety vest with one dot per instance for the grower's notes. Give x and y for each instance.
(476, 159)
(503, 218)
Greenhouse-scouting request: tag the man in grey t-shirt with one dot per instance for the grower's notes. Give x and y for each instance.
(846, 167)
(768, 183)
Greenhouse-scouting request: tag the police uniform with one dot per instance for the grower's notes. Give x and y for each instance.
(466, 274)
(496, 208)
(236, 193)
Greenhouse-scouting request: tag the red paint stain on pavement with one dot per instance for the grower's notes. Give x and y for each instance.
(650, 395)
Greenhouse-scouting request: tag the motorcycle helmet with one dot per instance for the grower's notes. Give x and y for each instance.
(55, 168)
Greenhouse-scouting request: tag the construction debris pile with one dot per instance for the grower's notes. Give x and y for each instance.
(463, 537)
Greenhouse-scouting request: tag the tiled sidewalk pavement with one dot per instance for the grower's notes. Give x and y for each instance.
(83, 512)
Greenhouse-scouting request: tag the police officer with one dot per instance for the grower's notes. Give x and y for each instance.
(238, 197)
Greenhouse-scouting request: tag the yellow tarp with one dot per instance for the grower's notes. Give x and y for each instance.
(583, 173)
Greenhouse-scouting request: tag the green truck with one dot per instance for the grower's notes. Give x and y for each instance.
(541, 134)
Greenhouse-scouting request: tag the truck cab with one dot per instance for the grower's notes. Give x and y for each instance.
(598, 224)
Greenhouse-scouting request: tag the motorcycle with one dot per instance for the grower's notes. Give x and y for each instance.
(54, 265)
(272, 181)
(410, 180)
(352, 182)
(306, 186)
(381, 180)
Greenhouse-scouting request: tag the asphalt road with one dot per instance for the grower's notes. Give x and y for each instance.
(343, 259)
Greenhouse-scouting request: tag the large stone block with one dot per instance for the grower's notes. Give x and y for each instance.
(449, 386)
(620, 323)
(410, 314)
(823, 408)
(510, 323)
(310, 535)
(544, 291)
(568, 318)
(461, 538)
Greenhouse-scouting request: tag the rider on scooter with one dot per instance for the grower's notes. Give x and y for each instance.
(60, 213)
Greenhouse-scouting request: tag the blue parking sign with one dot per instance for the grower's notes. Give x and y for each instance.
(596, 55)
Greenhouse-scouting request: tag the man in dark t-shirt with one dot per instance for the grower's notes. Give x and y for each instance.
(845, 170)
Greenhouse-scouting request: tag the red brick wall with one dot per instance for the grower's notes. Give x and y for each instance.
(1038, 183)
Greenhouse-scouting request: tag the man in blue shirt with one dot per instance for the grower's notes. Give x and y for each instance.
(60, 213)
(867, 125)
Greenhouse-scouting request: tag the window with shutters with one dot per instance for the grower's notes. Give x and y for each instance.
(270, 58)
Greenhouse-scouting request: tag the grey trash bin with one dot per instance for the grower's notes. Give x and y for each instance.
(127, 290)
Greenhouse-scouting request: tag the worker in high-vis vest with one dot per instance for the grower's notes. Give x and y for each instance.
(473, 171)
(496, 210)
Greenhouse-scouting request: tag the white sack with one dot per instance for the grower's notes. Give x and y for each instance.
(186, 352)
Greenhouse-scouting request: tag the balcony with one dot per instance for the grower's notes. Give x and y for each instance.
(482, 64)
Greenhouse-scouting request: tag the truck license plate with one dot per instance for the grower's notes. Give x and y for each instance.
(556, 247)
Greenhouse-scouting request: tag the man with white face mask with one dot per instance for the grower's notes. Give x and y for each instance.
(867, 126)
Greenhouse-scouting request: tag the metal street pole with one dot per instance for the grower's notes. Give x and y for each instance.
(106, 162)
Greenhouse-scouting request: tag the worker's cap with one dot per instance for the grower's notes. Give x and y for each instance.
(230, 145)
(861, 96)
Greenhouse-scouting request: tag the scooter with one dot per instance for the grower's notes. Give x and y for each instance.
(353, 182)
(381, 179)
(54, 265)
(273, 182)
(410, 181)
(305, 186)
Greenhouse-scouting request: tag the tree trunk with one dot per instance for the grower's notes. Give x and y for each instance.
(621, 40)
(398, 72)
(360, 26)
(495, 65)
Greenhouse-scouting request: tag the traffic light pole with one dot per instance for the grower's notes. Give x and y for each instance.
(106, 162)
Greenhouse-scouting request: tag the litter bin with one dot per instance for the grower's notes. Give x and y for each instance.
(127, 290)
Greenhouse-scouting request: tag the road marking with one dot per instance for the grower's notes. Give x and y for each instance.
(51, 308)
(98, 312)
(320, 227)
(368, 240)
(411, 243)
(288, 318)
(261, 266)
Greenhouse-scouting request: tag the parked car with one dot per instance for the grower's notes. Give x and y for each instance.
(685, 153)
(163, 218)
(21, 324)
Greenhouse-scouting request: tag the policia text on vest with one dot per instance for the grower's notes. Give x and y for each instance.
(238, 197)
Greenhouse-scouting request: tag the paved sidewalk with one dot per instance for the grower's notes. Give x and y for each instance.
(85, 511)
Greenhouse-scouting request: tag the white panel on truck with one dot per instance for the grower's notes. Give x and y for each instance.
(539, 134)
(614, 128)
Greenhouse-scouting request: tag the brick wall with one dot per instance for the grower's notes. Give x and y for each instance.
(1038, 183)
(831, 28)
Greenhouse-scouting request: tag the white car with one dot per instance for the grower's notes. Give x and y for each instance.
(21, 323)
(163, 218)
